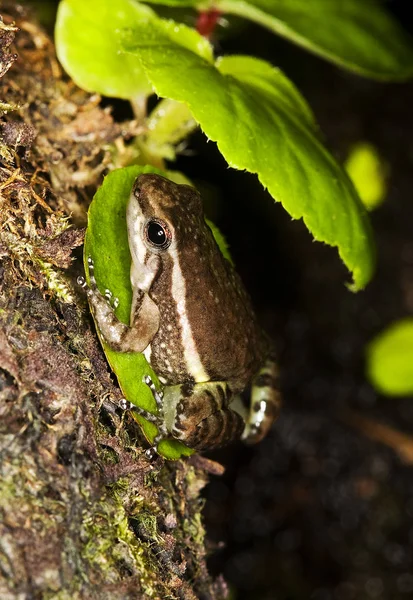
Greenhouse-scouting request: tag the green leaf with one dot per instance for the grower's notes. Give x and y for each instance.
(356, 34)
(88, 48)
(107, 243)
(168, 124)
(261, 124)
(390, 359)
(220, 240)
(179, 3)
(270, 83)
(368, 172)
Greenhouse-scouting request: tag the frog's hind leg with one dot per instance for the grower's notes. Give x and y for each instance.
(265, 403)
(199, 416)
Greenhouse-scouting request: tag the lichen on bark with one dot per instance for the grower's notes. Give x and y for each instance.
(83, 514)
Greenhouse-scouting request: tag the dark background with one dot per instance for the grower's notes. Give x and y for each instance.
(318, 510)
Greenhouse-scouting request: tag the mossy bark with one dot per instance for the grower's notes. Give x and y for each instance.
(83, 514)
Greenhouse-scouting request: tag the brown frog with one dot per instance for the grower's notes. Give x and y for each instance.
(193, 320)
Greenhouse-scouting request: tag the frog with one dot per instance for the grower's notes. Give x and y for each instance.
(193, 320)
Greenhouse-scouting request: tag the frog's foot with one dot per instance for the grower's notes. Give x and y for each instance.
(113, 301)
(82, 280)
(156, 419)
(92, 288)
(214, 431)
(202, 418)
(157, 394)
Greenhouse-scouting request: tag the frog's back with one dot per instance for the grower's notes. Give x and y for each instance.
(224, 324)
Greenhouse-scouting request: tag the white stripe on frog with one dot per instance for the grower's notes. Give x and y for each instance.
(191, 356)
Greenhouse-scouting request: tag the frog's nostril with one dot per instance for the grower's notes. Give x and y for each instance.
(136, 189)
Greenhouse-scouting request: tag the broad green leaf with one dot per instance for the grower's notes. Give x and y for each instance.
(368, 172)
(262, 124)
(356, 34)
(107, 243)
(270, 83)
(179, 3)
(175, 36)
(88, 48)
(390, 359)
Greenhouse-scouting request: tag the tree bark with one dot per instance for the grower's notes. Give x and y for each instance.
(83, 514)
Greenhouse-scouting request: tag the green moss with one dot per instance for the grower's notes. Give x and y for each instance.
(110, 541)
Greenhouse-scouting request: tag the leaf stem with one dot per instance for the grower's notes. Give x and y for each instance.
(139, 106)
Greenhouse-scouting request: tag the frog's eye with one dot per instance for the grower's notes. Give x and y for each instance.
(157, 234)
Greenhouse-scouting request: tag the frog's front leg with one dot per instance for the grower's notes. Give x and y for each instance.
(198, 415)
(144, 317)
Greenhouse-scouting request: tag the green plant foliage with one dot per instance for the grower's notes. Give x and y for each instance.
(199, 4)
(390, 359)
(87, 45)
(168, 124)
(368, 173)
(107, 243)
(220, 240)
(254, 113)
(261, 124)
(358, 35)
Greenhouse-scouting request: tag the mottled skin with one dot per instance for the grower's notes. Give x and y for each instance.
(194, 321)
(223, 323)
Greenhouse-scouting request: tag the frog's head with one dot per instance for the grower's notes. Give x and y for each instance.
(162, 216)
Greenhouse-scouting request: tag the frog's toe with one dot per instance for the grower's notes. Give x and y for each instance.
(124, 404)
(82, 282)
(112, 300)
(91, 268)
(156, 419)
(157, 394)
(152, 453)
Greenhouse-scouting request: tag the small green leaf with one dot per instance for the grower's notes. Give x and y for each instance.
(356, 34)
(368, 172)
(390, 359)
(220, 240)
(168, 124)
(88, 48)
(261, 124)
(107, 243)
(178, 177)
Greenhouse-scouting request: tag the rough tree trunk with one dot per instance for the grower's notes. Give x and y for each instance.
(83, 514)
